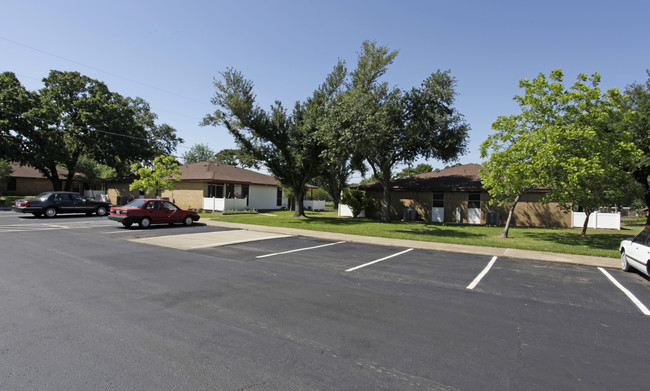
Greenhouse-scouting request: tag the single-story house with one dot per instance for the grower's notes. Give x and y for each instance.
(211, 185)
(456, 194)
(27, 181)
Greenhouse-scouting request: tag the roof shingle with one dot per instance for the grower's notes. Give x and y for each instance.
(210, 171)
(464, 177)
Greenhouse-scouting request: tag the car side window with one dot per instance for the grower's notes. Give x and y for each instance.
(642, 237)
(153, 205)
(78, 198)
(169, 206)
(62, 197)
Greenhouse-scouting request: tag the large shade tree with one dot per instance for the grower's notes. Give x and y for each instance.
(639, 130)
(198, 153)
(387, 126)
(287, 143)
(563, 141)
(74, 117)
(236, 157)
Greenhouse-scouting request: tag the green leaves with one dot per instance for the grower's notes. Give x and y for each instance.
(562, 141)
(164, 175)
(75, 116)
(198, 153)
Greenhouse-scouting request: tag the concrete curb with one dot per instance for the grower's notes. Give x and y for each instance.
(493, 251)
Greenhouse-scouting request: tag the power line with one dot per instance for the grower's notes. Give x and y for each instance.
(87, 128)
(104, 71)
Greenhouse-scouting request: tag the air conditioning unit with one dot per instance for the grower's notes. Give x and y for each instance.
(492, 218)
(409, 215)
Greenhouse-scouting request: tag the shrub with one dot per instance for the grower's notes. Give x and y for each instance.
(357, 200)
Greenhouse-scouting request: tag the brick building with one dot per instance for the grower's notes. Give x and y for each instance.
(456, 194)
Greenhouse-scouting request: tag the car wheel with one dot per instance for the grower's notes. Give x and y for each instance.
(50, 212)
(101, 211)
(127, 225)
(188, 220)
(145, 222)
(625, 266)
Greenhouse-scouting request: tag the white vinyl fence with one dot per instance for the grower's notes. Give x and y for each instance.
(345, 211)
(222, 204)
(313, 204)
(597, 220)
(96, 194)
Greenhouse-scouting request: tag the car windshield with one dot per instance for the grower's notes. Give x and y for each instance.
(135, 204)
(43, 196)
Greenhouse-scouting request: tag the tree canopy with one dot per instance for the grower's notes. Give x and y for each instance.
(286, 143)
(562, 141)
(387, 126)
(349, 119)
(236, 157)
(164, 175)
(198, 153)
(639, 130)
(74, 116)
(412, 171)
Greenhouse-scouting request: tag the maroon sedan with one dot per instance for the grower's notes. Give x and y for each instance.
(145, 212)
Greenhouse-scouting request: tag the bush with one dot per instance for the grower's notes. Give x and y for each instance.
(357, 200)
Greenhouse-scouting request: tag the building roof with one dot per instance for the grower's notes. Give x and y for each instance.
(459, 178)
(212, 171)
(19, 171)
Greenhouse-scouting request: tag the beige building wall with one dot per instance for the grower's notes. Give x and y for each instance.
(187, 195)
(120, 189)
(31, 186)
(528, 213)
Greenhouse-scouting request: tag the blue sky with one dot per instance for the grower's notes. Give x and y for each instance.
(168, 52)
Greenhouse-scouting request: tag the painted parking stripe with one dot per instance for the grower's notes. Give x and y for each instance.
(378, 260)
(478, 278)
(629, 294)
(298, 249)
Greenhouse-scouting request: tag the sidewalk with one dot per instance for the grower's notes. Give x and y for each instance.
(493, 251)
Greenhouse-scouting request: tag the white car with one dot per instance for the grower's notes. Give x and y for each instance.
(635, 252)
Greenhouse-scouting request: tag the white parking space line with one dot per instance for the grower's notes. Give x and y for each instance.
(378, 260)
(26, 230)
(33, 227)
(298, 249)
(629, 294)
(478, 278)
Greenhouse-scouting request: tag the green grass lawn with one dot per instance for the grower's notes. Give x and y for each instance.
(599, 242)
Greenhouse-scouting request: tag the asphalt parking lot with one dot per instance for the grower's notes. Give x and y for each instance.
(209, 307)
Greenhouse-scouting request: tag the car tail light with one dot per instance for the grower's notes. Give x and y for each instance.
(22, 203)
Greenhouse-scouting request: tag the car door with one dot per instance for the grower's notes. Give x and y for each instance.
(81, 205)
(154, 211)
(173, 214)
(63, 203)
(639, 250)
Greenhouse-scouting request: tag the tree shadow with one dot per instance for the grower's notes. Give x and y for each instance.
(602, 241)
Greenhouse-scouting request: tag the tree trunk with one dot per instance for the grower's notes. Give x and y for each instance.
(298, 202)
(69, 181)
(584, 226)
(57, 185)
(385, 203)
(336, 196)
(504, 234)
